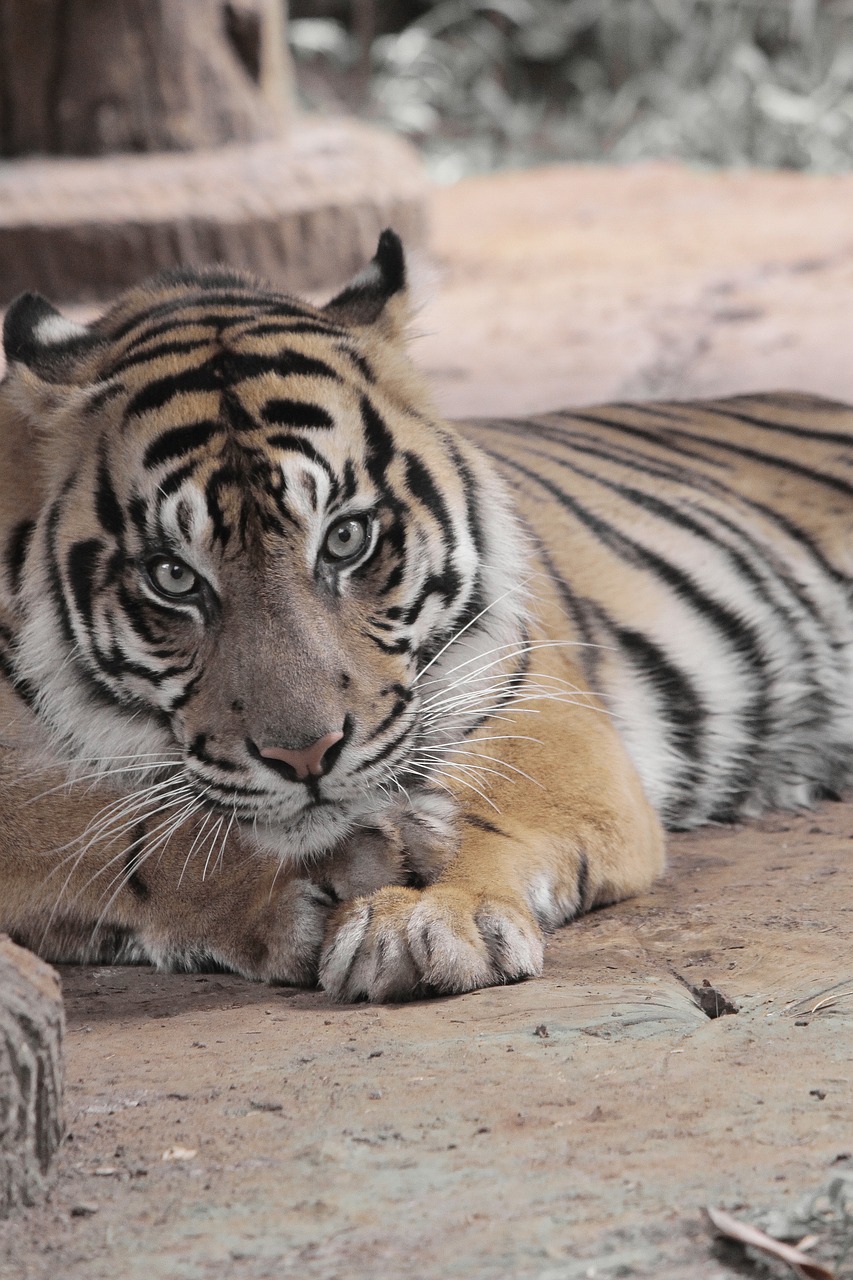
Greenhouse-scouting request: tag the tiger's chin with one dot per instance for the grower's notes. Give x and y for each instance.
(315, 831)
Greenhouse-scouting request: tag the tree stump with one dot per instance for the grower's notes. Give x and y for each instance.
(97, 77)
(304, 215)
(147, 134)
(31, 1027)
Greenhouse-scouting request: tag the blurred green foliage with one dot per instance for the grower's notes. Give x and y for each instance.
(481, 85)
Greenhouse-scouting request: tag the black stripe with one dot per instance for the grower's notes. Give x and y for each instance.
(167, 485)
(181, 699)
(107, 506)
(81, 567)
(387, 750)
(582, 891)
(203, 377)
(680, 517)
(684, 713)
(399, 646)
(284, 330)
(379, 443)
(181, 311)
(361, 362)
(582, 442)
(803, 433)
(134, 858)
(741, 637)
(394, 714)
(243, 365)
(17, 546)
(101, 395)
(297, 413)
(198, 750)
(174, 325)
(471, 491)
(173, 444)
(174, 347)
(743, 451)
(54, 576)
(223, 478)
(424, 488)
(578, 608)
(483, 824)
(712, 482)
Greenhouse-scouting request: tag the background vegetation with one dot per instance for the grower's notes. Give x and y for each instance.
(481, 84)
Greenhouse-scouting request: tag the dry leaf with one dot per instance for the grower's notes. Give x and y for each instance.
(800, 1262)
(178, 1153)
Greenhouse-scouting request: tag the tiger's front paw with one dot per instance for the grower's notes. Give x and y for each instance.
(282, 943)
(398, 944)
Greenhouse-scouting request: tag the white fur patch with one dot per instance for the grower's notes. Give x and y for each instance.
(55, 330)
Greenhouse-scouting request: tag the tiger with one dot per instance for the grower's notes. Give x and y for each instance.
(302, 681)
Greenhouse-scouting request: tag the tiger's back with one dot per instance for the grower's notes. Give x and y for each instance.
(702, 552)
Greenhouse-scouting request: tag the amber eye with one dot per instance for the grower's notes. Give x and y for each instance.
(347, 539)
(172, 577)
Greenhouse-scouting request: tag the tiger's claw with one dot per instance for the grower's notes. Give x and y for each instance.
(399, 944)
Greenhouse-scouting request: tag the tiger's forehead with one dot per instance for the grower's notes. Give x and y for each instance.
(248, 385)
(251, 428)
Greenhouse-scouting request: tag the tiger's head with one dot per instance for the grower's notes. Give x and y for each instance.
(249, 557)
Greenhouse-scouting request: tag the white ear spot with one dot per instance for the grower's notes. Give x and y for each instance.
(370, 277)
(55, 330)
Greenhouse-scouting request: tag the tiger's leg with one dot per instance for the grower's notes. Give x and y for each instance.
(185, 903)
(584, 837)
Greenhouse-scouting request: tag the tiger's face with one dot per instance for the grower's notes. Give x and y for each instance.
(258, 560)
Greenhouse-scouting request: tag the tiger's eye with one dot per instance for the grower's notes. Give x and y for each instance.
(347, 538)
(172, 577)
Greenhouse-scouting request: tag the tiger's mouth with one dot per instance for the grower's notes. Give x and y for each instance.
(301, 820)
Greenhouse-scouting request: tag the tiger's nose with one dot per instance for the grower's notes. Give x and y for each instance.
(306, 762)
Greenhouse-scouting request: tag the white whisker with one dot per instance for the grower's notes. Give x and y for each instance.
(199, 834)
(495, 760)
(520, 586)
(460, 781)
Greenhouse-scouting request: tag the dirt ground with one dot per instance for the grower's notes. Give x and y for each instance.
(570, 1127)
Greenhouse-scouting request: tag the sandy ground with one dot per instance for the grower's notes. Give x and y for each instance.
(570, 1127)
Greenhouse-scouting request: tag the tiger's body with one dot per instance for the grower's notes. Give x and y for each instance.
(305, 682)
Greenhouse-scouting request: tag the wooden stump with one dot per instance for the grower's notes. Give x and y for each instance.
(31, 1026)
(97, 77)
(304, 215)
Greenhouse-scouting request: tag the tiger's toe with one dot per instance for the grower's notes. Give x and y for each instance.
(400, 944)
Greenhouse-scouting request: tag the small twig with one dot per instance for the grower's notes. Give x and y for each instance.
(799, 1262)
(828, 1001)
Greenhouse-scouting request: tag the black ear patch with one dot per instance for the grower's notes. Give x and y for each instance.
(37, 335)
(365, 298)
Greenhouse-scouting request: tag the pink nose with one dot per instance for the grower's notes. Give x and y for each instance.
(307, 761)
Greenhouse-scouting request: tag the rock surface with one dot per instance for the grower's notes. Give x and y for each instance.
(31, 1026)
(577, 285)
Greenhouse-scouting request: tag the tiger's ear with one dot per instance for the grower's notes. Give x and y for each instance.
(43, 340)
(379, 294)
